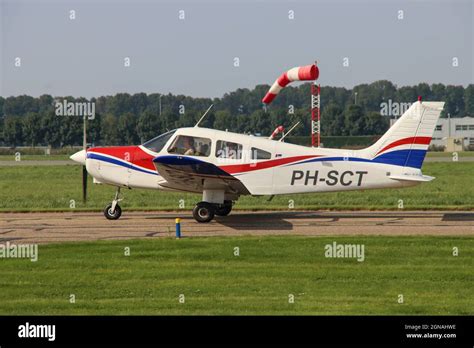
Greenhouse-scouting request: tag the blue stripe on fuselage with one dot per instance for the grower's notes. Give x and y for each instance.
(96, 156)
(403, 158)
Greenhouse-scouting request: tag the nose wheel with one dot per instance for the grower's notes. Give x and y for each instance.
(112, 214)
(113, 211)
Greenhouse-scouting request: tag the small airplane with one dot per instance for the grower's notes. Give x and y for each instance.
(222, 166)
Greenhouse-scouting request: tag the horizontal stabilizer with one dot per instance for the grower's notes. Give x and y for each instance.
(409, 177)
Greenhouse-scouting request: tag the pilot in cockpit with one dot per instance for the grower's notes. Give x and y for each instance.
(188, 146)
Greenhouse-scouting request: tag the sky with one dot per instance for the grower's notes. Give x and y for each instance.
(406, 42)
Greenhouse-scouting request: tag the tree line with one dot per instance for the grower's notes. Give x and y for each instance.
(132, 119)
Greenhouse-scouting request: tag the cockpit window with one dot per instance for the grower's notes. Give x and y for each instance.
(190, 146)
(156, 144)
(227, 149)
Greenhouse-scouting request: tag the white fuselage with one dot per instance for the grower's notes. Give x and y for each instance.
(290, 168)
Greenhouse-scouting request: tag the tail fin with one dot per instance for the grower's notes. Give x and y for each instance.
(406, 142)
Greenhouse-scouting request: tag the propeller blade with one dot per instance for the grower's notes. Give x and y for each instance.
(84, 184)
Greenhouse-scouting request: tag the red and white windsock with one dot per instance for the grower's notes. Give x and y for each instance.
(301, 73)
(278, 130)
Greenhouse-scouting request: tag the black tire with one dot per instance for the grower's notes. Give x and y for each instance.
(108, 212)
(224, 209)
(203, 212)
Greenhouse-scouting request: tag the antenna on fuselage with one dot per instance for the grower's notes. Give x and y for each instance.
(284, 135)
(202, 117)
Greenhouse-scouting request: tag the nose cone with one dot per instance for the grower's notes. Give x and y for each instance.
(79, 157)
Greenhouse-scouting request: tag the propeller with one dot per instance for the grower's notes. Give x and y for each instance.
(80, 157)
(84, 184)
(84, 170)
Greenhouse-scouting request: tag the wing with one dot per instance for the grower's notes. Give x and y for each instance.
(193, 175)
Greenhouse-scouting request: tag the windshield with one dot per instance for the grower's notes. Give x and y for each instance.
(156, 144)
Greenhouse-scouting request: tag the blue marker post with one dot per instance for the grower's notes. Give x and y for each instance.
(178, 228)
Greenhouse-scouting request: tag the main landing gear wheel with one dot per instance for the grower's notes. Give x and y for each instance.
(224, 209)
(203, 212)
(110, 214)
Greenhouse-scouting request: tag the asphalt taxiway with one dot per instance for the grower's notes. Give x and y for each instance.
(91, 226)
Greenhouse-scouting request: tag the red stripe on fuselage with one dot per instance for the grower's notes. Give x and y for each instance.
(239, 168)
(404, 141)
(132, 154)
(137, 156)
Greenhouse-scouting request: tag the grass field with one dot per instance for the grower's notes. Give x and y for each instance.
(259, 281)
(450, 154)
(24, 188)
(35, 157)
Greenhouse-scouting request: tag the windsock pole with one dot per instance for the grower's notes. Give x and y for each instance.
(315, 115)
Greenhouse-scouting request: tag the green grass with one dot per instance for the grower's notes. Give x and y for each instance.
(43, 188)
(259, 281)
(450, 154)
(35, 157)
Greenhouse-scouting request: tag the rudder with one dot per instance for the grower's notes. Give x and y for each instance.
(407, 141)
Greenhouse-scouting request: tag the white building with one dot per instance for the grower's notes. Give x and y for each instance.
(461, 127)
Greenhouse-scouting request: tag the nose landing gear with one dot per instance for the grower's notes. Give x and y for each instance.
(113, 211)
